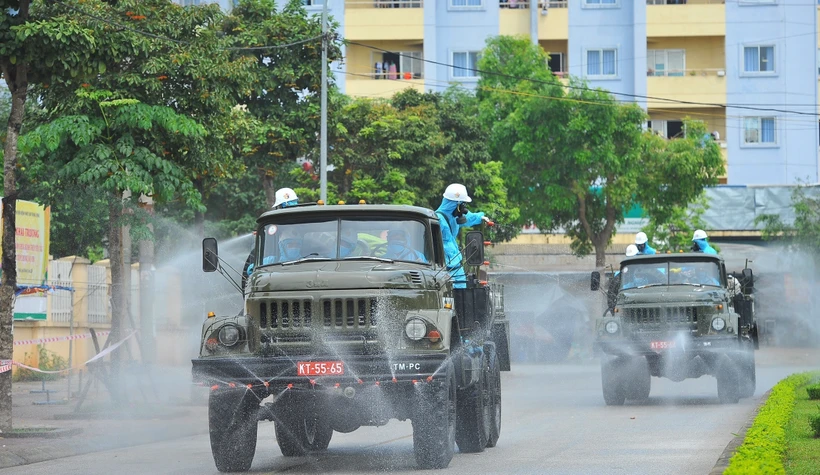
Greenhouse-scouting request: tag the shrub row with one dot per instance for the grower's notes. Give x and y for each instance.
(765, 442)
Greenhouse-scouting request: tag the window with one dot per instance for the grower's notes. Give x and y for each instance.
(595, 3)
(759, 131)
(411, 62)
(602, 63)
(466, 3)
(670, 129)
(758, 59)
(464, 64)
(666, 2)
(405, 62)
(556, 62)
(758, 2)
(665, 62)
(313, 3)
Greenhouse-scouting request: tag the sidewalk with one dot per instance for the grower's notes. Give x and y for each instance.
(163, 407)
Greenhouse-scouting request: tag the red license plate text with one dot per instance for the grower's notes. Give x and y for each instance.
(661, 345)
(320, 368)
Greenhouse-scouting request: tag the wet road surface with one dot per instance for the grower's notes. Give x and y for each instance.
(554, 421)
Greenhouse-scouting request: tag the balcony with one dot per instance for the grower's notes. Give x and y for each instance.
(369, 20)
(362, 86)
(553, 20)
(694, 18)
(704, 86)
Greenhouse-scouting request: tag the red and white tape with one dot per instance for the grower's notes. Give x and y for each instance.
(6, 365)
(55, 339)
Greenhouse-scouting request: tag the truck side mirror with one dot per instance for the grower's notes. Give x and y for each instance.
(210, 255)
(595, 281)
(474, 248)
(748, 279)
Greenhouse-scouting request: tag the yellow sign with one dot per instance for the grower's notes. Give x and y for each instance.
(32, 239)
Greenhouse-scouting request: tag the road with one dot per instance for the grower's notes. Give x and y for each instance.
(554, 421)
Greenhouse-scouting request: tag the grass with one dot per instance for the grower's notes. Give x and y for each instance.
(32, 430)
(802, 455)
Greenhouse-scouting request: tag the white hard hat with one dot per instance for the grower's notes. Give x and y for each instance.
(631, 250)
(641, 238)
(457, 192)
(699, 234)
(283, 195)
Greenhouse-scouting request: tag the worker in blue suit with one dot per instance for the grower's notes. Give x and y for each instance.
(452, 216)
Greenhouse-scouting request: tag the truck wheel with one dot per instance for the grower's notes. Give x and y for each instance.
(434, 422)
(474, 414)
(748, 380)
(494, 384)
(612, 381)
(298, 435)
(232, 424)
(639, 384)
(728, 381)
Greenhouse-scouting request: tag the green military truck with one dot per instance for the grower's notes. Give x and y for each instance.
(351, 319)
(676, 316)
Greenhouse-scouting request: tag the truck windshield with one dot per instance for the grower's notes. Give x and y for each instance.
(670, 273)
(342, 239)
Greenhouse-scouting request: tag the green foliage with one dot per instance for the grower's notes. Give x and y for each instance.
(814, 422)
(803, 233)
(765, 442)
(575, 158)
(813, 391)
(47, 361)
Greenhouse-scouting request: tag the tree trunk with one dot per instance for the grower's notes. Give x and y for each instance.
(199, 217)
(270, 189)
(117, 281)
(146, 259)
(17, 81)
(600, 254)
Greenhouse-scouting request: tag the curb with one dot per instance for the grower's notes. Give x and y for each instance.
(43, 434)
(731, 447)
(137, 415)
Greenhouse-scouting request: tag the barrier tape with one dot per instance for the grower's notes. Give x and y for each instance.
(8, 364)
(55, 339)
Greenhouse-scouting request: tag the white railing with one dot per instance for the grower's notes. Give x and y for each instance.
(684, 2)
(397, 76)
(384, 4)
(59, 273)
(526, 4)
(720, 72)
(97, 294)
(547, 4)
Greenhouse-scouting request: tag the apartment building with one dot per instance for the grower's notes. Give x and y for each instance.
(748, 68)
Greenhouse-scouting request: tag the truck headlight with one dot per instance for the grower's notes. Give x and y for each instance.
(415, 329)
(229, 335)
(718, 324)
(611, 327)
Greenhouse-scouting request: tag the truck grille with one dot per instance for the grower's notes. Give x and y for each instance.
(652, 318)
(344, 313)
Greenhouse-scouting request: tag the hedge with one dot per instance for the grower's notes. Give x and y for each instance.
(763, 447)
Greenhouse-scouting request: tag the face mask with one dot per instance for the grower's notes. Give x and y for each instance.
(291, 249)
(641, 247)
(395, 249)
(459, 213)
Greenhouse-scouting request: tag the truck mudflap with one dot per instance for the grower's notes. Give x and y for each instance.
(650, 346)
(324, 371)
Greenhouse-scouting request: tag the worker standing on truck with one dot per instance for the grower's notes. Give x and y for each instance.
(452, 216)
(284, 197)
(700, 244)
(641, 242)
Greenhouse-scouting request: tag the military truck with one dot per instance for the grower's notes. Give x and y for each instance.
(351, 319)
(677, 316)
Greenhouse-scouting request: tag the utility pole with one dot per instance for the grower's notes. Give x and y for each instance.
(323, 131)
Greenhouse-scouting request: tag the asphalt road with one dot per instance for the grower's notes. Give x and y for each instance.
(554, 421)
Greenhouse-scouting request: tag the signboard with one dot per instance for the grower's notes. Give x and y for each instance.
(32, 239)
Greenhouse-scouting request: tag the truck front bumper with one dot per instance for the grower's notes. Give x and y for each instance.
(700, 346)
(270, 371)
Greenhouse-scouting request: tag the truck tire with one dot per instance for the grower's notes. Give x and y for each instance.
(748, 375)
(728, 381)
(639, 384)
(298, 434)
(494, 386)
(232, 425)
(474, 413)
(612, 381)
(434, 422)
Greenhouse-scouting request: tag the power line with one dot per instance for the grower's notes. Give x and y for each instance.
(582, 88)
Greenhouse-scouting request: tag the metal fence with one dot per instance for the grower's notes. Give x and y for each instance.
(59, 273)
(97, 295)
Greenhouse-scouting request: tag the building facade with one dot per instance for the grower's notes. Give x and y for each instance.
(748, 68)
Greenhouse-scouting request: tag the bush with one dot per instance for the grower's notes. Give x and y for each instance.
(765, 442)
(814, 391)
(814, 422)
(47, 361)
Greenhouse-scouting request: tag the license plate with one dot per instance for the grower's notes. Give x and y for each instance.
(661, 345)
(320, 368)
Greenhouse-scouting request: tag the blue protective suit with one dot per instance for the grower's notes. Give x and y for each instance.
(647, 249)
(449, 234)
(705, 247)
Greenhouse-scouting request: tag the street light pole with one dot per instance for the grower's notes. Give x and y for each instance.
(323, 131)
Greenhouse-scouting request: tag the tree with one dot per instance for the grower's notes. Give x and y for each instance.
(575, 158)
(674, 231)
(37, 42)
(803, 233)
